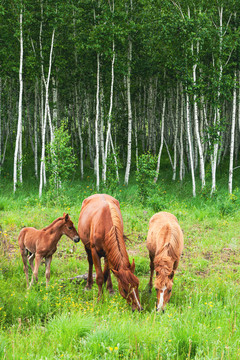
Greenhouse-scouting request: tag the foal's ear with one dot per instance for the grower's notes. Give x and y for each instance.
(66, 217)
(132, 267)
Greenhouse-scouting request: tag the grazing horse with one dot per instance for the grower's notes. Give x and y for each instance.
(41, 244)
(100, 228)
(165, 246)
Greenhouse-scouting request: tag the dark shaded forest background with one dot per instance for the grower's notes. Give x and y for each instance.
(125, 78)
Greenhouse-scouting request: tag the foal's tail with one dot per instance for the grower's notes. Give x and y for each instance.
(21, 237)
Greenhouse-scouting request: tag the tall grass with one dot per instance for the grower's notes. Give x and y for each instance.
(66, 322)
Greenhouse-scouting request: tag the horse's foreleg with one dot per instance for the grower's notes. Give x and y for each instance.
(90, 267)
(107, 277)
(48, 263)
(36, 267)
(25, 263)
(99, 273)
(151, 272)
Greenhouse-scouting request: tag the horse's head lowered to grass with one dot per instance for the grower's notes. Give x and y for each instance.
(128, 286)
(163, 282)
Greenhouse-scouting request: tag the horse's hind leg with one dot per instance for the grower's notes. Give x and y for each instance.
(107, 277)
(35, 270)
(48, 263)
(25, 263)
(90, 267)
(151, 273)
(99, 273)
(31, 259)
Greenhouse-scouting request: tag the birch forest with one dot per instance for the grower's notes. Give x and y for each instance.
(128, 77)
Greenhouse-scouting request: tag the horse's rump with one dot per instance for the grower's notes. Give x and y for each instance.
(165, 233)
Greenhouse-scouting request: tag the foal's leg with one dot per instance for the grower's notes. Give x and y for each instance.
(99, 273)
(151, 272)
(90, 274)
(47, 264)
(25, 263)
(35, 270)
(31, 259)
(107, 277)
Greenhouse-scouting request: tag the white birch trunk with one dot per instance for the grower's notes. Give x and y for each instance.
(102, 127)
(196, 121)
(175, 138)
(35, 131)
(109, 119)
(115, 158)
(96, 125)
(190, 144)
(234, 110)
(55, 95)
(79, 132)
(136, 137)
(217, 113)
(18, 145)
(181, 174)
(46, 111)
(162, 139)
(129, 144)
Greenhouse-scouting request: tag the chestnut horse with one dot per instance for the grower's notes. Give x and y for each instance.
(100, 228)
(41, 244)
(165, 246)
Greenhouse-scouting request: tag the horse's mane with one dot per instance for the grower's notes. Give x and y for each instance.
(168, 254)
(53, 223)
(127, 277)
(114, 242)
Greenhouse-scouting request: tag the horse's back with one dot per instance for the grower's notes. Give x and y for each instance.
(95, 218)
(164, 228)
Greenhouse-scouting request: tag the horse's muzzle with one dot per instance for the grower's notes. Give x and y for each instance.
(76, 239)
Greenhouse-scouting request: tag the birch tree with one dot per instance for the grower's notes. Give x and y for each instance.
(17, 165)
(234, 110)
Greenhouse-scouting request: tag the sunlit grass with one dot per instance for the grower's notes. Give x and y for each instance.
(65, 321)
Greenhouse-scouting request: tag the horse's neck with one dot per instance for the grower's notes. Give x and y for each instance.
(54, 232)
(161, 251)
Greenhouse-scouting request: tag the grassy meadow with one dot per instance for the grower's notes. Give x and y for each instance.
(63, 321)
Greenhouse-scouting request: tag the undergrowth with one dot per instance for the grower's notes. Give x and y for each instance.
(64, 321)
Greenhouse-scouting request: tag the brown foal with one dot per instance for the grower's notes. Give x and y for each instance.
(41, 244)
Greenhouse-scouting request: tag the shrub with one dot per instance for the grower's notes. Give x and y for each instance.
(145, 176)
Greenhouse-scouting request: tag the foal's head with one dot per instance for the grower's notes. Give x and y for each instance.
(69, 229)
(163, 286)
(128, 286)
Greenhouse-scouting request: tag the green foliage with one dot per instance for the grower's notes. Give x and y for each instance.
(111, 181)
(60, 162)
(145, 176)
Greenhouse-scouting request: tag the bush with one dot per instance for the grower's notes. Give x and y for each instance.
(145, 176)
(60, 162)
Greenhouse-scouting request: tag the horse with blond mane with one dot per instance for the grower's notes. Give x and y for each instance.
(41, 244)
(100, 228)
(165, 246)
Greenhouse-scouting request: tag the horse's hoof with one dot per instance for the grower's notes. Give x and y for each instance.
(111, 292)
(87, 288)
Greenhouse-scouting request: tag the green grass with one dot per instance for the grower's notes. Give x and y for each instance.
(66, 322)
